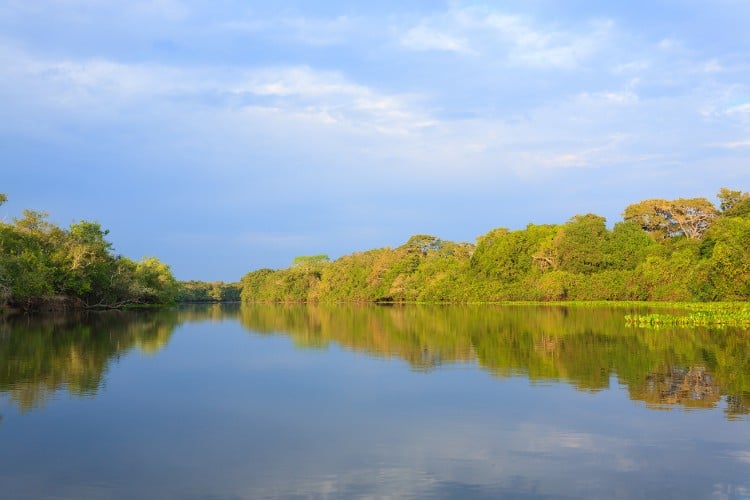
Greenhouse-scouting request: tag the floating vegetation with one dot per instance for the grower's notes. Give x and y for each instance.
(713, 314)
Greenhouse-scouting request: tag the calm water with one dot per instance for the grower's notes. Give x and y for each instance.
(329, 402)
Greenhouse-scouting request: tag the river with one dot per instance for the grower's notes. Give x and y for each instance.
(363, 401)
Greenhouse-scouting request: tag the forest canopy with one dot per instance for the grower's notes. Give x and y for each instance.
(43, 265)
(687, 249)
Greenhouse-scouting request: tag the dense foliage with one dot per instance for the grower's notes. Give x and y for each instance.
(42, 264)
(663, 250)
(208, 291)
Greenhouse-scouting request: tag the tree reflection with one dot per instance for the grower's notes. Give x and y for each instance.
(42, 355)
(583, 346)
(689, 386)
(587, 347)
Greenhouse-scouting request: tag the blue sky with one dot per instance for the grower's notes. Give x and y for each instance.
(227, 136)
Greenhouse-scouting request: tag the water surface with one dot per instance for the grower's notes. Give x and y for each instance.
(341, 402)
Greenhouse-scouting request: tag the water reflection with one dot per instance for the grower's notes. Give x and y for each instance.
(584, 347)
(45, 354)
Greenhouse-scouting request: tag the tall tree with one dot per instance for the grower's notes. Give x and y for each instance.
(728, 198)
(689, 217)
(84, 262)
(507, 255)
(580, 244)
(729, 264)
(25, 268)
(628, 245)
(422, 243)
(155, 281)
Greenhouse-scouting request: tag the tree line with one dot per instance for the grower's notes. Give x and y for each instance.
(208, 291)
(45, 266)
(662, 250)
(687, 249)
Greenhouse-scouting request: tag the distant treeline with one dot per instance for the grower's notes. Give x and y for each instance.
(208, 291)
(662, 250)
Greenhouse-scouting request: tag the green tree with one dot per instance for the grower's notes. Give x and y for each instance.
(581, 243)
(578, 246)
(5, 288)
(154, 282)
(84, 262)
(441, 275)
(25, 247)
(728, 198)
(215, 292)
(668, 218)
(422, 243)
(507, 255)
(310, 261)
(628, 245)
(230, 292)
(739, 209)
(43, 264)
(670, 277)
(34, 222)
(663, 250)
(729, 264)
(257, 285)
(354, 278)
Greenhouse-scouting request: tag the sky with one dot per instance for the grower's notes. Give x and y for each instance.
(228, 136)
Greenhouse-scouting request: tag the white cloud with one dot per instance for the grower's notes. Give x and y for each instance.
(616, 97)
(632, 67)
(742, 144)
(739, 109)
(332, 98)
(713, 66)
(331, 113)
(320, 31)
(304, 30)
(517, 40)
(83, 12)
(425, 39)
(97, 87)
(336, 106)
(540, 47)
